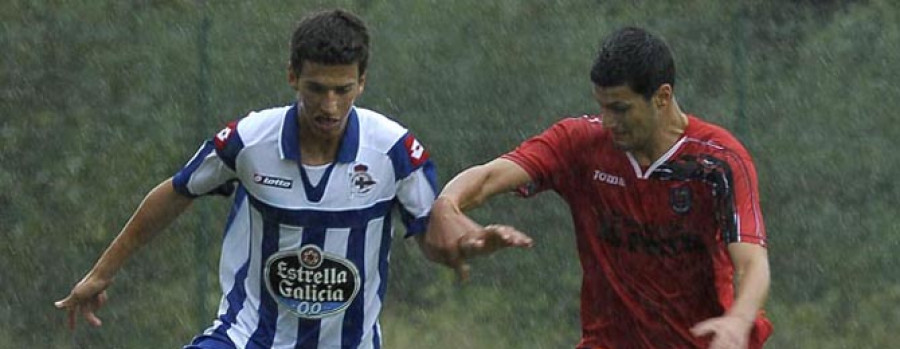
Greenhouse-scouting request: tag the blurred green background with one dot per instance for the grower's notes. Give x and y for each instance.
(101, 100)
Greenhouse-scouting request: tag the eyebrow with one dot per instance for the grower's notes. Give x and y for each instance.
(318, 85)
(617, 104)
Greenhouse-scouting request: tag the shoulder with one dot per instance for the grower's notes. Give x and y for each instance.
(254, 128)
(259, 125)
(577, 131)
(378, 132)
(713, 138)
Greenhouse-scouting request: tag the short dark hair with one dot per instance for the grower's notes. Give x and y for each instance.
(330, 37)
(635, 57)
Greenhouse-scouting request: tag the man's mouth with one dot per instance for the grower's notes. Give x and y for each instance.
(326, 122)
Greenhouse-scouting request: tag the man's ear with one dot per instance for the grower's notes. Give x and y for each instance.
(292, 78)
(663, 96)
(362, 83)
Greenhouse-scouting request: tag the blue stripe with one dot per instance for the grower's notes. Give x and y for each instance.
(350, 141)
(240, 198)
(316, 218)
(233, 145)
(308, 329)
(414, 226)
(430, 171)
(315, 193)
(383, 269)
(268, 309)
(290, 134)
(383, 257)
(377, 339)
(351, 335)
(238, 294)
(181, 179)
(399, 156)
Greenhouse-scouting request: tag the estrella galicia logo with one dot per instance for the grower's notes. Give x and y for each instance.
(680, 199)
(310, 283)
(361, 182)
(273, 181)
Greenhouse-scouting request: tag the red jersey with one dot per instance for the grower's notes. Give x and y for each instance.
(652, 241)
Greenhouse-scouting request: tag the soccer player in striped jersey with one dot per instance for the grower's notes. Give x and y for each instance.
(665, 206)
(305, 253)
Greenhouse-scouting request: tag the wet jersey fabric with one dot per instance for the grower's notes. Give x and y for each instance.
(304, 258)
(652, 241)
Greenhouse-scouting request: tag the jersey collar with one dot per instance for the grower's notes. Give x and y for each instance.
(290, 131)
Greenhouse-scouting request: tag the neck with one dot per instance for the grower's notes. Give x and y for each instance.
(672, 124)
(317, 150)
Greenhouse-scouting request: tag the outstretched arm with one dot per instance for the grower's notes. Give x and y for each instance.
(452, 236)
(159, 209)
(751, 265)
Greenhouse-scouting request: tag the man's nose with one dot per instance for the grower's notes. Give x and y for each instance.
(330, 102)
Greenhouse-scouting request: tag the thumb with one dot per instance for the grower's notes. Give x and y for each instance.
(702, 329)
(462, 271)
(62, 303)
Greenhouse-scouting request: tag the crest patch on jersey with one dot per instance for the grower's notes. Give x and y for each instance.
(361, 182)
(680, 199)
(417, 153)
(310, 283)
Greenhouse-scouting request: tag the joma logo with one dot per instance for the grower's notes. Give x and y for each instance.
(608, 178)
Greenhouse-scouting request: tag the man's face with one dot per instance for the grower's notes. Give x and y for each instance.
(326, 93)
(632, 119)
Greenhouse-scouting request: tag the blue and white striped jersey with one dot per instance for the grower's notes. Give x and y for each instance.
(304, 262)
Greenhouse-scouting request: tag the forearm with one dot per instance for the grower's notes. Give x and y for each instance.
(465, 191)
(753, 279)
(158, 209)
(472, 187)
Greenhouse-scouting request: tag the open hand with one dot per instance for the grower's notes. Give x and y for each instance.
(86, 298)
(492, 238)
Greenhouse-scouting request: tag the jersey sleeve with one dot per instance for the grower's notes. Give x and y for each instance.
(746, 223)
(416, 183)
(211, 171)
(544, 157)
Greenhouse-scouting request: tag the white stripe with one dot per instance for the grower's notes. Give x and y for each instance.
(372, 305)
(248, 317)
(211, 173)
(289, 238)
(234, 253)
(662, 160)
(415, 194)
(330, 329)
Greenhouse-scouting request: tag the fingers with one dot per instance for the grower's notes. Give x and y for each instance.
(71, 317)
(66, 305)
(87, 308)
(90, 317)
(509, 236)
(702, 329)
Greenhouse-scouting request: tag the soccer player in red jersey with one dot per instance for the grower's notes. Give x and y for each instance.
(665, 206)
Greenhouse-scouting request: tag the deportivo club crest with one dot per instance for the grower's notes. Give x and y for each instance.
(310, 257)
(361, 182)
(310, 283)
(680, 199)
